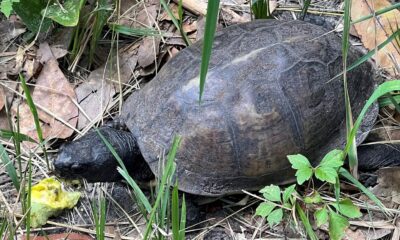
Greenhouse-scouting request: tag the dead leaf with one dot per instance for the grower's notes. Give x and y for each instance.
(175, 11)
(2, 97)
(94, 95)
(354, 235)
(60, 236)
(148, 51)
(230, 17)
(3, 120)
(376, 233)
(195, 6)
(189, 27)
(55, 95)
(142, 16)
(388, 187)
(375, 31)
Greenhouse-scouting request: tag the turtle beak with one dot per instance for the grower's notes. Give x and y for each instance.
(66, 167)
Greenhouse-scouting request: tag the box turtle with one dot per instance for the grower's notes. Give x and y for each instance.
(272, 90)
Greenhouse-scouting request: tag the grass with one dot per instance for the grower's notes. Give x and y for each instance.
(209, 31)
(155, 213)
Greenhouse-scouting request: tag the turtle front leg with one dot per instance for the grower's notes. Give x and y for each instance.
(372, 157)
(90, 158)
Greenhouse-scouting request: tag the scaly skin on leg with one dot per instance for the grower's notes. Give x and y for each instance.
(372, 157)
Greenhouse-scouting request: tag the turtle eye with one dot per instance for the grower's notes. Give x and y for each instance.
(77, 168)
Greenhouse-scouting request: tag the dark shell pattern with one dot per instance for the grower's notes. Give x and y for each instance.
(271, 91)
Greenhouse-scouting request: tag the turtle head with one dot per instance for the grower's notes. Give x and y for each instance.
(91, 159)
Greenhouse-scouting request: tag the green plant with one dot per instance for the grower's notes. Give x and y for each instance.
(210, 26)
(38, 14)
(260, 9)
(334, 213)
(99, 216)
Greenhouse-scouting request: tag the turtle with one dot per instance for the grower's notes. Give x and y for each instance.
(272, 90)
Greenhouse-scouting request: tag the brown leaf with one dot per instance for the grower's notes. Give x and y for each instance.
(3, 120)
(2, 97)
(175, 11)
(375, 31)
(230, 17)
(93, 97)
(55, 95)
(60, 236)
(354, 235)
(388, 187)
(148, 51)
(189, 27)
(143, 16)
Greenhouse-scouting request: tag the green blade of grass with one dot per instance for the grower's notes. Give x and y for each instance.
(166, 175)
(394, 102)
(381, 90)
(28, 199)
(18, 136)
(100, 20)
(10, 169)
(33, 109)
(136, 32)
(175, 21)
(377, 13)
(99, 216)
(306, 222)
(182, 224)
(210, 26)
(175, 212)
(305, 9)
(343, 172)
(352, 154)
(140, 197)
(260, 9)
(386, 101)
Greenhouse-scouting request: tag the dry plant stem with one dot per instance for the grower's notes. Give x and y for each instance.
(11, 213)
(310, 11)
(375, 224)
(200, 235)
(258, 229)
(87, 37)
(194, 6)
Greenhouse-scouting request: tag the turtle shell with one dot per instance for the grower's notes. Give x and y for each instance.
(270, 91)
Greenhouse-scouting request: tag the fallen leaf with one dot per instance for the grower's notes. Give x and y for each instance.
(60, 236)
(175, 11)
(142, 16)
(94, 95)
(52, 94)
(2, 97)
(148, 51)
(189, 27)
(375, 31)
(354, 235)
(3, 120)
(230, 17)
(376, 233)
(388, 187)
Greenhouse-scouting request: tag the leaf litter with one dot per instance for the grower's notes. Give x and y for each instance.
(55, 99)
(376, 30)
